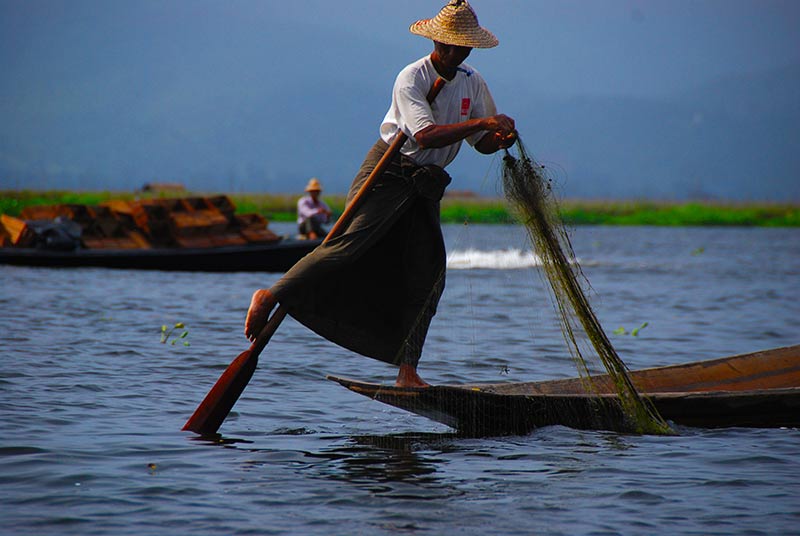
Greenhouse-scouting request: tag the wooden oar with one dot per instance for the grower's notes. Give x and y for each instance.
(208, 416)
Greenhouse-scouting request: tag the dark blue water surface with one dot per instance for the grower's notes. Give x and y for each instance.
(91, 403)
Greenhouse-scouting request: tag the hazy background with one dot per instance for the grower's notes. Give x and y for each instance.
(627, 98)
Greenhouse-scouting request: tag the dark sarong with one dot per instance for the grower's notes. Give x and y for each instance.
(374, 288)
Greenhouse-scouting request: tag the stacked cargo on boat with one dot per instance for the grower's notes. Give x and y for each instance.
(189, 222)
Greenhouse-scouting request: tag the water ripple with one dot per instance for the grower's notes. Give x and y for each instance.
(92, 404)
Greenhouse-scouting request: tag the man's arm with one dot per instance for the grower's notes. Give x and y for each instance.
(497, 126)
(493, 142)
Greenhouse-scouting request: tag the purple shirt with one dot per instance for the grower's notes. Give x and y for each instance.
(307, 208)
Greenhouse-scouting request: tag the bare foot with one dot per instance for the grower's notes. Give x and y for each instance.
(261, 305)
(408, 377)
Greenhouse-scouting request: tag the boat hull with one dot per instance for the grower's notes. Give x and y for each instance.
(272, 257)
(752, 390)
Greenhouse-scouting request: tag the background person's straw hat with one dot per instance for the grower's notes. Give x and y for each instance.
(314, 185)
(456, 24)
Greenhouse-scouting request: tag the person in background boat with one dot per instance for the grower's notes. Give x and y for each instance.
(312, 212)
(374, 288)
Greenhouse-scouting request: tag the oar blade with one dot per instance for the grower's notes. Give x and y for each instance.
(211, 412)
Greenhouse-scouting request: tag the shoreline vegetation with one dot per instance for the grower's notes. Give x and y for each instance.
(464, 207)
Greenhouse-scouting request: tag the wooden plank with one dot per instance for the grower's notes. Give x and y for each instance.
(152, 218)
(250, 220)
(126, 221)
(40, 212)
(127, 242)
(81, 214)
(192, 203)
(198, 222)
(253, 227)
(17, 231)
(222, 203)
(120, 206)
(172, 205)
(104, 223)
(259, 236)
(140, 240)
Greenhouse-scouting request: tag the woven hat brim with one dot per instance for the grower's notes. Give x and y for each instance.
(477, 37)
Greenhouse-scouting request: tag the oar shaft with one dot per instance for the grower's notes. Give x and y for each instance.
(214, 408)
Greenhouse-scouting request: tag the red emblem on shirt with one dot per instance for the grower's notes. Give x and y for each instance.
(465, 106)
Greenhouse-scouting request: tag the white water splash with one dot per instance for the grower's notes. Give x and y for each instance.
(503, 259)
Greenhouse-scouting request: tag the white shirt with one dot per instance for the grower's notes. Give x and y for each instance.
(464, 97)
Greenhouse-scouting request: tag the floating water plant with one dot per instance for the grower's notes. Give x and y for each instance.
(167, 332)
(634, 332)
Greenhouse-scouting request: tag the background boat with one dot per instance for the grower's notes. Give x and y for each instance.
(188, 234)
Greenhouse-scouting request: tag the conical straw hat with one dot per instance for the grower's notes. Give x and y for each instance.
(456, 24)
(314, 185)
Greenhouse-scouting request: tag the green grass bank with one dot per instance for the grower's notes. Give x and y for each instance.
(281, 207)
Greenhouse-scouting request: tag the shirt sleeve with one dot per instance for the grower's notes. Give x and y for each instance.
(414, 109)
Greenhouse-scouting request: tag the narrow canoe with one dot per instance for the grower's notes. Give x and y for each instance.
(271, 257)
(760, 389)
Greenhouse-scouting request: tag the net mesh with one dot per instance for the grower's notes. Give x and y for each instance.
(529, 192)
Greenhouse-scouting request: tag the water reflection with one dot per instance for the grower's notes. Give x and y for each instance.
(399, 465)
(403, 465)
(219, 439)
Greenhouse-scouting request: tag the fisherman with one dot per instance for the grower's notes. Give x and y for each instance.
(374, 287)
(312, 212)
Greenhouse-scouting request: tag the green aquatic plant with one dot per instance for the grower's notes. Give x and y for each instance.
(167, 332)
(634, 332)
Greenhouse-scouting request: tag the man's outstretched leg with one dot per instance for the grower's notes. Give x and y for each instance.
(408, 377)
(261, 306)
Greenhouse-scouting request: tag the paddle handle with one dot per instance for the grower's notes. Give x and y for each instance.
(268, 330)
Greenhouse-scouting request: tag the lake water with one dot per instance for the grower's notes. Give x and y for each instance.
(91, 403)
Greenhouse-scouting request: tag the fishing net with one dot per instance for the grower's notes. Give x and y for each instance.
(529, 191)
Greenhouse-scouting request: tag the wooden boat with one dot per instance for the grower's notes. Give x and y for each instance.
(184, 233)
(760, 389)
(276, 256)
